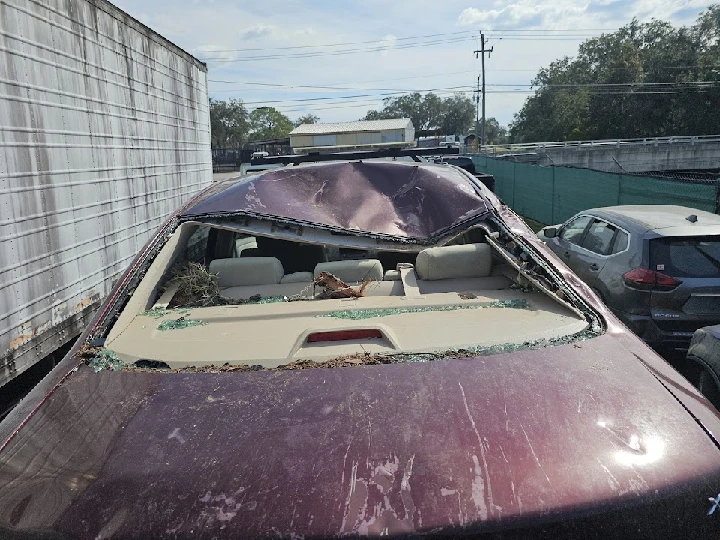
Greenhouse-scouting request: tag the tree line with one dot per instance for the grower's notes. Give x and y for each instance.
(232, 126)
(644, 80)
(454, 115)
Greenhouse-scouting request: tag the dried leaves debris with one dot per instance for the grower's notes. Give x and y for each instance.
(334, 287)
(371, 359)
(196, 287)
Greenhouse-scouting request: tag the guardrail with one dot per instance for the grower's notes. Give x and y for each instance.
(654, 141)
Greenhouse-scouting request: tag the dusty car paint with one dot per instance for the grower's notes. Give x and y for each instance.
(477, 445)
(597, 439)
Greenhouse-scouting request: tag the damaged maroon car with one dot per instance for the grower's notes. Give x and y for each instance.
(367, 347)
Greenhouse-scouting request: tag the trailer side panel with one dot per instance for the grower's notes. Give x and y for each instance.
(104, 130)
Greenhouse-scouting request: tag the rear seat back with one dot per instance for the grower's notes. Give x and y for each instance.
(353, 271)
(453, 262)
(297, 277)
(242, 271)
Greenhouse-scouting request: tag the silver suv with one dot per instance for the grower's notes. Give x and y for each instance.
(656, 267)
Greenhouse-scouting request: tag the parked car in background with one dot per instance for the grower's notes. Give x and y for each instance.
(703, 359)
(357, 347)
(656, 267)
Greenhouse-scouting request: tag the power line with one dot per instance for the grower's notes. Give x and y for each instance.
(344, 87)
(531, 85)
(341, 87)
(648, 88)
(496, 30)
(360, 103)
(530, 88)
(290, 106)
(290, 47)
(313, 54)
(405, 38)
(542, 38)
(623, 68)
(384, 94)
(379, 48)
(390, 90)
(679, 84)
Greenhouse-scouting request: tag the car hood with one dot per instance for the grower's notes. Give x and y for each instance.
(512, 442)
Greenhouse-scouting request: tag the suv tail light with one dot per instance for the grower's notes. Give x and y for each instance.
(642, 278)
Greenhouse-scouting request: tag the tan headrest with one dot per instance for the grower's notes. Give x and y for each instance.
(240, 271)
(449, 262)
(352, 271)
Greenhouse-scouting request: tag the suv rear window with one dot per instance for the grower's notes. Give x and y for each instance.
(691, 256)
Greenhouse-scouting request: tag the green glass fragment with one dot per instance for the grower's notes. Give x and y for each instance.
(358, 314)
(105, 359)
(271, 300)
(158, 313)
(179, 324)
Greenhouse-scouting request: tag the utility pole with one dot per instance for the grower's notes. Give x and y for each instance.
(477, 110)
(482, 52)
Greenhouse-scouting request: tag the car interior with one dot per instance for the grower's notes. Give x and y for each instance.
(416, 299)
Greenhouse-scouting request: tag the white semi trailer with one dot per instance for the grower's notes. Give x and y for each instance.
(104, 130)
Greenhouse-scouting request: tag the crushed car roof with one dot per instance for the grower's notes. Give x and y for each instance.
(410, 200)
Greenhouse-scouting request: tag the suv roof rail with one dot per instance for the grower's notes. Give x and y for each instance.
(364, 154)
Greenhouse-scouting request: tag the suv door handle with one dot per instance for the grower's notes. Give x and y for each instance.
(566, 254)
(594, 267)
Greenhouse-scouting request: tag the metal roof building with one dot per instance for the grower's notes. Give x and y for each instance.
(363, 134)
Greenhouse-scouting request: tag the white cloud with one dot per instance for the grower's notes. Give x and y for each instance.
(526, 11)
(473, 15)
(216, 53)
(388, 42)
(258, 31)
(570, 13)
(304, 32)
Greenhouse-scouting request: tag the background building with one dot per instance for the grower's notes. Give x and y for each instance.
(364, 134)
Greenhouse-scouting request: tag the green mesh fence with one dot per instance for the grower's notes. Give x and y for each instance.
(551, 195)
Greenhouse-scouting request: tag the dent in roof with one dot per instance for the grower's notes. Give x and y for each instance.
(389, 198)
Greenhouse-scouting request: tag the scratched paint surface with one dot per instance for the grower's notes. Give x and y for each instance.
(104, 132)
(474, 444)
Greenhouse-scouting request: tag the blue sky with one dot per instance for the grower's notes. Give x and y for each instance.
(391, 46)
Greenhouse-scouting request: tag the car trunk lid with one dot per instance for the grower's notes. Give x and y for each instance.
(577, 440)
(695, 261)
